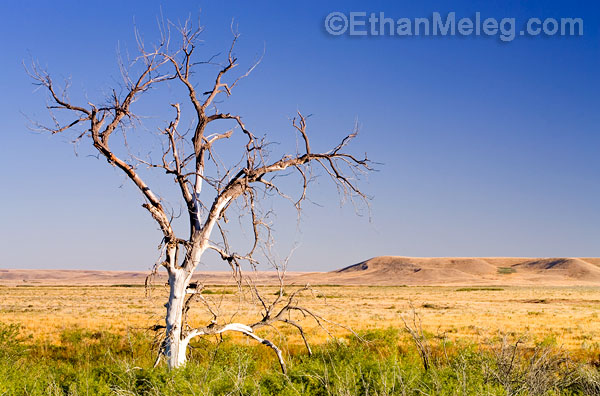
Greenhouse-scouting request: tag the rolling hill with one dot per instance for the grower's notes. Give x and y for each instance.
(394, 270)
(383, 270)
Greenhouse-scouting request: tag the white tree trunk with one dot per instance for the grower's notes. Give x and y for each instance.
(175, 347)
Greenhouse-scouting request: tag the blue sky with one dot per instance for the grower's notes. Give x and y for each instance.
(486, 148)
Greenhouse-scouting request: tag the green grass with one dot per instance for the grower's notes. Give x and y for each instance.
(479, 289)
(383, 363)
(218, 291)
(506, 270)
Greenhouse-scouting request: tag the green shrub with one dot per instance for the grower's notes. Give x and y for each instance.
(506, 270)
(219, 291)
(378, 362)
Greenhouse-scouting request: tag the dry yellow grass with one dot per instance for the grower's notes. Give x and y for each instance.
(569, 314)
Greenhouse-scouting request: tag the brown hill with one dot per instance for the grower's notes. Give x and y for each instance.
(26, 277)
(573, 268)
(394, 270)
(384, 270)
(595, 261)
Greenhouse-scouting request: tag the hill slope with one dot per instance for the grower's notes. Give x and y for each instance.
(395, 270)
(383, 270)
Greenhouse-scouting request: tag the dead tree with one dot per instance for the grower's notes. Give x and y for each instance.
(185, 157)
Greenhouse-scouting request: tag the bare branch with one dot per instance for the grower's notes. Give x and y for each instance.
(191, 159)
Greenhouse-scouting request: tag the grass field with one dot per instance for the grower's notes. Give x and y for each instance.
(569, 314)
(95, 340)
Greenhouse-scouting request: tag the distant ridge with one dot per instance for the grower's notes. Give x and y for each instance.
(389, 270)
(383, 270)
(27, 277)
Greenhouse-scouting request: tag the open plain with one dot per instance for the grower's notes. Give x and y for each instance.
(456, 298)
(422, 326)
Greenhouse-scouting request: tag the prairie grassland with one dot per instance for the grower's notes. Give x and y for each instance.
(566, 315)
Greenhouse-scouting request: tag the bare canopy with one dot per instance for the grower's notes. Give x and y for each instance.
(185, 157)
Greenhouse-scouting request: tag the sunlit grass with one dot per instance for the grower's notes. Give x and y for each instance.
(570, 314)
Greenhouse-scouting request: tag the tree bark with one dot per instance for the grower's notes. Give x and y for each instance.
(175, 346)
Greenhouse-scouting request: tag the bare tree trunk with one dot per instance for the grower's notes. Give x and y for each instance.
(175, 347)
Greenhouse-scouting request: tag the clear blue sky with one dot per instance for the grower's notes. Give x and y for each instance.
(487, 148)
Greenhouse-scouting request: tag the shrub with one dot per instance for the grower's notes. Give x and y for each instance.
(378, 362)
(506, 270)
